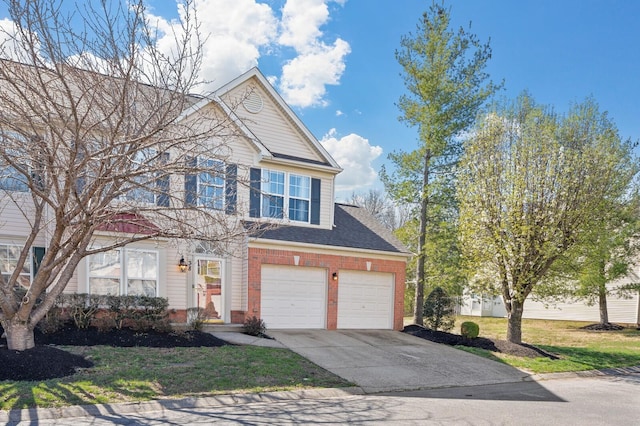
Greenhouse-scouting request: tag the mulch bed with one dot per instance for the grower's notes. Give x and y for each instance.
(602, 327)
(493, 345)
(45, 361)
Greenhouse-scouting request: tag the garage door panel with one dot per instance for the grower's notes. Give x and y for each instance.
(293, 297)
(365, 300)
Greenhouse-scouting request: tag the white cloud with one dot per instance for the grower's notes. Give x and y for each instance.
(355, 155)
(10, 43)
(339, 113)
(318, 64)
(235, 31)
(304, 78)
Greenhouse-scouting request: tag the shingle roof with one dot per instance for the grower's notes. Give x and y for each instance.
(354, 228)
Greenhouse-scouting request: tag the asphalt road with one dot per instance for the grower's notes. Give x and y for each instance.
(606, 400)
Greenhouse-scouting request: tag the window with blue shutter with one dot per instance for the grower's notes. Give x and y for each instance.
(280, 195)
(255, 184)
(315, 201)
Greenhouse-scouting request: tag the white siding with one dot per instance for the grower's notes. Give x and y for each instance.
(620, 310)
(271, 125)
(176, 285)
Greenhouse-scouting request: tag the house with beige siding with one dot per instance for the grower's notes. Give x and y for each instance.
(304, 261)
(621, 309)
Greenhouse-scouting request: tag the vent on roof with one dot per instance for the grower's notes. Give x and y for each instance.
(253, 102)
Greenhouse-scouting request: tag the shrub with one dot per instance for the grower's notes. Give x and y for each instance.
(104, 323)
(439, 310)
(254, 326)
(195, 318)
(52, 321)
(469, 330)
(83, 308)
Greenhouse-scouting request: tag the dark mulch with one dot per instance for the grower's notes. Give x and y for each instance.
(603, 327)
(45, 361)
(493, 345)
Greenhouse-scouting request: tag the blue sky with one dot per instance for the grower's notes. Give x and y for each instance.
(333, 61)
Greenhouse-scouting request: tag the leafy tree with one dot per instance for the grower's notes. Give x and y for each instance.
(439, 312)
(444, 75)
(90, 126)
(606, 254)
(533, 186)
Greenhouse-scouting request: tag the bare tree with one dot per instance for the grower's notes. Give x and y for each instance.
(98, 139)
(377, 204)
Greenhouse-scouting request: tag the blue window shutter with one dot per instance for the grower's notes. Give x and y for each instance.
(255, 176)
(38, 254)
(231, 188)
(315, 201)
(191, 183)
(162, 183)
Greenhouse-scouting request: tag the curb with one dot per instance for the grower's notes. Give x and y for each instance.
(35, 415)
(606, 372)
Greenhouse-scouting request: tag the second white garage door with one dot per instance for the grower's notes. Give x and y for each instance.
(293, 297)
(365, 300)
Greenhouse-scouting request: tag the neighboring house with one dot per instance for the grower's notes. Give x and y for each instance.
(625, 310)
(323, 265)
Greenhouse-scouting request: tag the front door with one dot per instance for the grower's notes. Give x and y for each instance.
(208, 288)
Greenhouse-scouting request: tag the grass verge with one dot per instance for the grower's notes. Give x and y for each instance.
(577, 349)
(140, 374)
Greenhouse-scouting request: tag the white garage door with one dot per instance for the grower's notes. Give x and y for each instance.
(293, 297)
(365, 300)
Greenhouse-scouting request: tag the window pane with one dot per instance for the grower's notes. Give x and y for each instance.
(143, 185)
(11, 180)
(141, 288)
(211, 184)
(105, 264)
(104, 273)
(9, 255)
(272, 206)
(299, 210)
(274, 182)
(299, 186)
(142, 264)
(105, 286)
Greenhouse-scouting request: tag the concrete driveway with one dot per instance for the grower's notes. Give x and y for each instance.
(385, 360)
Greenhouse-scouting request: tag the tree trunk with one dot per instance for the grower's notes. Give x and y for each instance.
(418, 316)
(602, 301)
(514, 322)
(19, 336)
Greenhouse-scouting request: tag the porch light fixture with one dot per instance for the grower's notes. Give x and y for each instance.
(183, 265)
(334, 276)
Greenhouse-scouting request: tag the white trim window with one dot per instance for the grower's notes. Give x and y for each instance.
(148, 186)
(9, 254)
(299, 197)
(211, 184)
(273, 194)
(124, 272)
(294, 197)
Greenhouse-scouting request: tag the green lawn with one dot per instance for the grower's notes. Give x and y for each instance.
(139, 374)
(578, 349)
